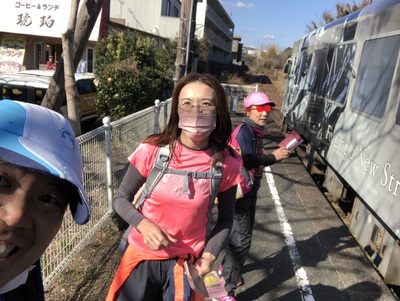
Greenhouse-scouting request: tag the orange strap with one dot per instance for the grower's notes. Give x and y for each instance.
(179, 280)
(131, 259)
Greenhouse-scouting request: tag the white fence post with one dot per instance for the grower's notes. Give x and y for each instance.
(107, 137)
(156, 114)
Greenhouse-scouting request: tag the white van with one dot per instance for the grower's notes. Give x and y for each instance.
(31, 85)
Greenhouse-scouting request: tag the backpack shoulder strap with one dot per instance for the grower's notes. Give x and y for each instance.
(215, 183)
(161, 162)
(160, 166)
(216, 172)
(234, 143)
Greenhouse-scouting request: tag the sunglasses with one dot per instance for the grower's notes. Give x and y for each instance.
(264, 108)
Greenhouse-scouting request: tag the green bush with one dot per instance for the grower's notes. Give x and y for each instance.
(132, 72)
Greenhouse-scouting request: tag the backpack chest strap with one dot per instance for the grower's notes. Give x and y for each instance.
(194, 175)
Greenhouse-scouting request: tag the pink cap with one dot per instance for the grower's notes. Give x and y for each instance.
(256, 99)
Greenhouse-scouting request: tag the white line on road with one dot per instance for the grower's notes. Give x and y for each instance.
(300, 272)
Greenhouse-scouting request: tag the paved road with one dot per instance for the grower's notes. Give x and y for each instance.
(301, 249)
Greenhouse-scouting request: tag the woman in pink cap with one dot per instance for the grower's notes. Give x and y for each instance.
(250, 139)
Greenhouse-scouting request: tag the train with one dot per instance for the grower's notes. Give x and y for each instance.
(342, 96)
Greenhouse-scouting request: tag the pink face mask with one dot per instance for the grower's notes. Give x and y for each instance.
(197, 126)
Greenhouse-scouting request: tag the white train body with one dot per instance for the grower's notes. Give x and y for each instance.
(342, 96)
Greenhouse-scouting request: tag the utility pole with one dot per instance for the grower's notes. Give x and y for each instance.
(182, 40)
(191, 29)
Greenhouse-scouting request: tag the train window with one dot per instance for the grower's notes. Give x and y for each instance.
(375, 75)
(312, 72)
(301, 67)
(349, 31)
(341, 67)
(302, 63)
(350, 26)
(319, 69)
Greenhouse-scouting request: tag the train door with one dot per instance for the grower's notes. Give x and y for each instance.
(290, 68)
(310, 108)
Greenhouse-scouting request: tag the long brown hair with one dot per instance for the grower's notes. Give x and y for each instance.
(220, 137)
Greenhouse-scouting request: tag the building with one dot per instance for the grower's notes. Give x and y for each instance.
(30, 32)
(249, 50)
(214, 23)
(237, 49)
(162, 18)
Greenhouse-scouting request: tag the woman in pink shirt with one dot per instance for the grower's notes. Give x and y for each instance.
(172, 226)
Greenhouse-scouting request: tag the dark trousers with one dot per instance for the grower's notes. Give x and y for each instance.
(239, 240)
(152, 280)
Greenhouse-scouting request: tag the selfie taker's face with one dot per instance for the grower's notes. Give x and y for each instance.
(32, 207)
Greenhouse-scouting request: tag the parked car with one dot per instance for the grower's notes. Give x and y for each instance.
(31, 85)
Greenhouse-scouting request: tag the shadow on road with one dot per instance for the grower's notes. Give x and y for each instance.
(277, 268)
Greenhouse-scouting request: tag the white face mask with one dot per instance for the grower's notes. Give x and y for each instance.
(197, 126)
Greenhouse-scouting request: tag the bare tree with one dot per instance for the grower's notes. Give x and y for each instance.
(342, 9)
(86, 20)
(70, 83)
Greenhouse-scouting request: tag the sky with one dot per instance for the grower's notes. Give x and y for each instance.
(275, 22)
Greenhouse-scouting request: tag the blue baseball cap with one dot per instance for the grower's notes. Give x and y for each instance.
(41, 139)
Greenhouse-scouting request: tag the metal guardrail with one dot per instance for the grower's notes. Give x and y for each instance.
(105, 151)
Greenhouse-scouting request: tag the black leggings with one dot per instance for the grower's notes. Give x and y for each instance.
(239, 240)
